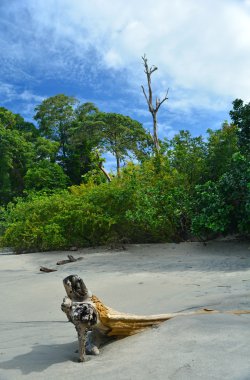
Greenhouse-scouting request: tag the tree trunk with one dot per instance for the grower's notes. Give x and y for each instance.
(102, 168)
(105, 173)
(155, 133)
(149, 98)
(117, 164)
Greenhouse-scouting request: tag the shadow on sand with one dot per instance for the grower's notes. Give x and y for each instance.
(41, 357)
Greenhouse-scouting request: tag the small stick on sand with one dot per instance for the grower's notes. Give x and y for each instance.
(47, 270)
(71, 259)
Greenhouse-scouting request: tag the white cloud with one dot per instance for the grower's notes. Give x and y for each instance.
(28, 96)
(9, 92)
(26, 99)
(201, 47)
(196, 44)
(112, 59)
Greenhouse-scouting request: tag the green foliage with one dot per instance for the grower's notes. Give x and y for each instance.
(16, 154)
(211, 213)
(240, 116)
(7, 118)
(188, 156)
(54, 115)
(46, 176)
(221, 205)
(45, 149)
(192, 187)
(52, 222)
(120, 135)
(70, 134)
(83, 143)
(222, 145)
(158, 210)
(138, 206)
(235, 185)
(224, 205)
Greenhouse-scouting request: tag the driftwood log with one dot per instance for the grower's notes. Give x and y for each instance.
(47, 270)
(97, 323)
(71, 259)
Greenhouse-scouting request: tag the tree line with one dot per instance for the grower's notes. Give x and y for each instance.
(67, 145)
(55, 191)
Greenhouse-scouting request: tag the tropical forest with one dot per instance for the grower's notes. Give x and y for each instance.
(55, 192)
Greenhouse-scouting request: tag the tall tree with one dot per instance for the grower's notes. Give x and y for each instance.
(83, 143)
(240, 115)
(221, 146)
(9, 120)
(55, 116)
(16, 155)
(149, 98)
(187, 155)
(121, 136)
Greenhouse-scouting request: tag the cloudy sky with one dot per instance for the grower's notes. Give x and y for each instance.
(92, 49)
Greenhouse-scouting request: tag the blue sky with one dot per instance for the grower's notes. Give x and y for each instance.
(92, 49)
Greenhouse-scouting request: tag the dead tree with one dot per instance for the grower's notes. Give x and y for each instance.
(149, 98)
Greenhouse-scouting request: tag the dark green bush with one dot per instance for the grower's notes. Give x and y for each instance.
(53, 222)
(223, 206)
(211, 213)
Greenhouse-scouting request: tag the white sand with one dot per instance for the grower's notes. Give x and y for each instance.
(37, 343)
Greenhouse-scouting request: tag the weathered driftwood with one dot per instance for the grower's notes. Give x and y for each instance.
(71, 259)
(47, 270)
(96, 323)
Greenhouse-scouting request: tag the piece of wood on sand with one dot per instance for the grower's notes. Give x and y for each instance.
(88, 313)
(47, 270)
(71, 259)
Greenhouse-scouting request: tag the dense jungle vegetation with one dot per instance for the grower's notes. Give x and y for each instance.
(55, 192)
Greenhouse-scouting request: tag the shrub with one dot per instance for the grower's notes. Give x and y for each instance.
(211, 213)
(141, 206)
(53, 222)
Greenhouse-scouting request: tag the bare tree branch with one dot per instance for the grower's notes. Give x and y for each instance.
(105, 172)
(149, 98)
(102, 168)
(149, 104)
(152, 69)
(159, 102)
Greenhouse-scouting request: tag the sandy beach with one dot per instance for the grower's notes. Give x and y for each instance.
(37, 342)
